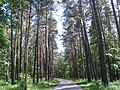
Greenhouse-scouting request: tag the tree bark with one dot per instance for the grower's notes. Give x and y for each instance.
(37, 45)
(116, 21)
(26, 48)
(100, 46)
(46, 46)
(21, 33)
(12, 56)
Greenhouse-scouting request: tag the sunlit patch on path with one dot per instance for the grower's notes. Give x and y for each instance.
(67, 85)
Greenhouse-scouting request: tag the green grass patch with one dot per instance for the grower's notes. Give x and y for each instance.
(97, 85)
(42, 85)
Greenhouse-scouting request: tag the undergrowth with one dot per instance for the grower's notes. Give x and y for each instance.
(42, 85)
(97, 85)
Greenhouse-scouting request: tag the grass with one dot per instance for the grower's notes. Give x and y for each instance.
(50, 85)
(42, 85)
(97, 85)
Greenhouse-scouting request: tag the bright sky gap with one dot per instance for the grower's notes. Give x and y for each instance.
(59, 19)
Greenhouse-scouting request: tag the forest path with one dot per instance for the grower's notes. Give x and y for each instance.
(67, 85)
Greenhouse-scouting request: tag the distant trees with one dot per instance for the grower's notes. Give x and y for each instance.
(32, 31)
(28, 46)
(87, 22)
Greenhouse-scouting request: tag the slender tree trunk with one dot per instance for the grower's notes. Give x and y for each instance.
(15, 54)
(100, 46)
(6, 67)
(92, 67)
(21, 33)
(34, 70)
(76, 65)
(41, 56)
(81, 58)
(96, 68)
(26, 48)
(52, 57)
(87, 46)
(49, 50)
(109, 61)
(17, 57)
(12, 57)
(26, 57)
(37, 45)
(86, 55)
(46, 46)
(116, 21)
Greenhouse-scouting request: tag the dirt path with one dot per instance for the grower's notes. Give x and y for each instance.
(67, 85)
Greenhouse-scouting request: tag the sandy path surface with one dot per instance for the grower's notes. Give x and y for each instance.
(67, 85)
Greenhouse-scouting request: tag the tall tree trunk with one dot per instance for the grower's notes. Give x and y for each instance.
(6, 67)
(87, 46)
(49, 50)
(100, 46)
(21, 33)
(37, 45)
(76, 65)
(81, 57)
(26, 48)
(46, 46)
(86, 55)
(34, 70)
(17, 57)
(109, 60)
(12, 56)
(26, 57)
(41, 55)
(116, 21)
(52, 57)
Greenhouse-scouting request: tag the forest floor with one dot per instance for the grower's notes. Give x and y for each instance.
(60, 84)
(67, 85)
(42, 85)
(97, 85)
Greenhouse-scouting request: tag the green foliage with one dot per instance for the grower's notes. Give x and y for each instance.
(4, 42)
(3, 39)
(113, 86)
(94, 85)
(42, 85)
(21, 82)
(114, 53)
(1, 2)
(61, 66)
(3, 22)
(4, 60)
(97, 85)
